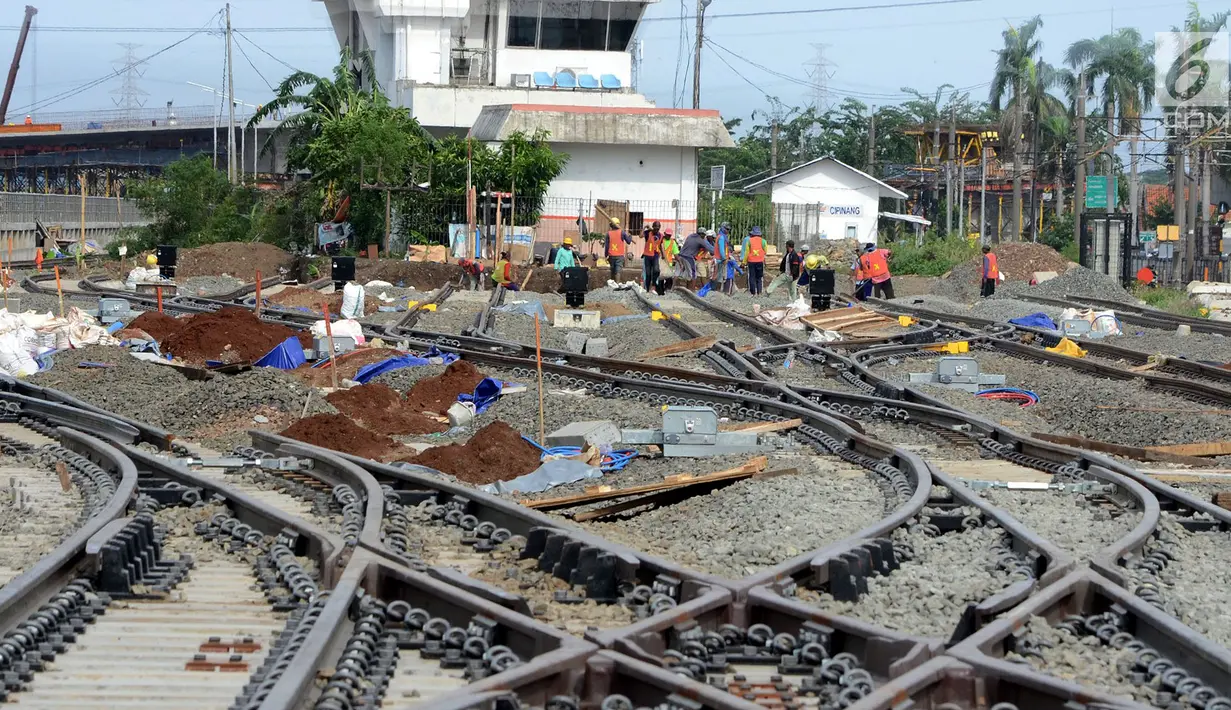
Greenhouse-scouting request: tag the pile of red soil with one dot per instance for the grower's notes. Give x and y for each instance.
(495, 453)
(419, 275)
(437, 394)
(348, 364)
(159, 326)
(380, 408)
(312, 300)
(335, 431)
(239, 259)
(231, 334)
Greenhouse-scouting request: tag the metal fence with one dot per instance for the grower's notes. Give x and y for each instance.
(110, 119)
(22, 208)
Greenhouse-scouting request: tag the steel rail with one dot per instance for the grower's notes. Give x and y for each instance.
(1148, 318)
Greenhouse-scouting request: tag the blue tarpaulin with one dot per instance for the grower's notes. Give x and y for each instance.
(1036, 320)
(485, 393)
(287, 356)
(703, 290)
(377, 369)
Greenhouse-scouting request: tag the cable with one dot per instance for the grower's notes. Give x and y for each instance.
(614, 461)
(263, 51)
(52, 100)
(159, 30)
(817, 10)
(249, 60)
(1026, 398)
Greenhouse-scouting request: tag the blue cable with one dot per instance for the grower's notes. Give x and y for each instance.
(614, 461)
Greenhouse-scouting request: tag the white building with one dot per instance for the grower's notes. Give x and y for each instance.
(501, 66)
(827, 199)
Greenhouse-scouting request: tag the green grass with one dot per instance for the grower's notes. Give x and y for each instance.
(1172, 300)
(936, 257)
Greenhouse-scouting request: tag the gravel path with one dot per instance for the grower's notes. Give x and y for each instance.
(756, 523)
(210, 286)
(450, 317)
(35, 513)
(1085, 661)
(1070, 400)
(1068, 520)
(1196, 583)
(708, 323)
(947, 573)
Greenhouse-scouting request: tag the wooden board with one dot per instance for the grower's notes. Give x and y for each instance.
(762, 427)
(1130, 452)
(991, 470)
(687, 346)
(599, 493)
(666, 495)
(1205, 448)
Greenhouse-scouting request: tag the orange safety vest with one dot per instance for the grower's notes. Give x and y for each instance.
(756, 250)
(993, 270)
(615, 243)
(38, 259)
(653, 244)
(874, 265)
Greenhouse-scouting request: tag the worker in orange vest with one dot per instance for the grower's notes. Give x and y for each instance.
(875, 266)
(651, 254)
(754, 259)
(38, 259)
(615, 247)
(991, 273)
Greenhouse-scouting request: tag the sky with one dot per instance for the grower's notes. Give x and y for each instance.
(869, 54)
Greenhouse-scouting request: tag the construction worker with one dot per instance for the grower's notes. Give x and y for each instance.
(565, 259)
(472, 274)
(686, 262)
(666, 271)
(754, 260)
(29, 120)
(723, 252)
(615, 247)
(38, 259)
(875, 266)
(651, 254)
(789, 269)
(502, 274)
(991, 272)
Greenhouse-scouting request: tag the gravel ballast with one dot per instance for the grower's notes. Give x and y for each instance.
(1084, 661)
(1068, 520)
(756, 523)
(928, 594)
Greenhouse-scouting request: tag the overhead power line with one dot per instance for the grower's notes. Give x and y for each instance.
(166, 30)
(262, 50)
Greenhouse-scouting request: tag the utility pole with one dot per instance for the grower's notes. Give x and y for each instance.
(872, 143)
(696, 60)
(1079, 187)
(983, 187)
(1181, 205)
(935, 157)
(961, 190)
(232, 174)
(949, 170)
(773, 172)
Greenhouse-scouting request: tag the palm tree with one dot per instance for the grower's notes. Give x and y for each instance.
(1014, 65)
(1055, 133)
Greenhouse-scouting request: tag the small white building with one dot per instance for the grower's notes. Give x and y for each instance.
(827, 199)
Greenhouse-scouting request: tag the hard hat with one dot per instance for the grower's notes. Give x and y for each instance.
(812, 261)
(615, 221)
(709, 232)
(805, 248)
(151, 260)
(568, 241)
(756, 231)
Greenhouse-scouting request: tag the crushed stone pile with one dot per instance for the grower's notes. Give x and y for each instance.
(1017, 261)
(238, 259)
(495, 453)
(211, 286)
(1077, 281)
(230, 334)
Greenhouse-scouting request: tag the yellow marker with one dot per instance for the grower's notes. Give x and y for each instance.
(675, 316)
(657, 315)
(430, 307)
(411, 304)
(951, 348)
(906, 321)
(1067, 347)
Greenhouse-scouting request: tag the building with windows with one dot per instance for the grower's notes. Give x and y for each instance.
(828, 199)
(493, 67)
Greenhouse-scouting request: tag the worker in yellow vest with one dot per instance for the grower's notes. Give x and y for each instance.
(615, 247)
(754, 260)
(502, 274)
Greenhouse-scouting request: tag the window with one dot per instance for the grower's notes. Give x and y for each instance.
(523, 23)
(852, 231)
(591, 25)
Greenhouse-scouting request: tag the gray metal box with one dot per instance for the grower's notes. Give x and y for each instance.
(112, 309)
(580, 434)
(341, 344)
(690, 425)
(958, 369)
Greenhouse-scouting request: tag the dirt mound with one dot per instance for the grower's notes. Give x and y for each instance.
(380, 408)
(307, 298)
(495, 453)
(159, 326)
(349, 364)
(230, 334)
(1017, 261)
(337, 432)
(239, 259)
(437, 394)
(421, 276)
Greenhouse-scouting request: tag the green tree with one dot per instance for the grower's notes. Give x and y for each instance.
(190, 204)
(1015, 64)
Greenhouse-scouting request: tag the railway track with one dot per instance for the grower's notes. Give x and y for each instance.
(413, 537)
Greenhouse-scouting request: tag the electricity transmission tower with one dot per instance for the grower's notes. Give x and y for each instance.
(129, 97)
(819, 72)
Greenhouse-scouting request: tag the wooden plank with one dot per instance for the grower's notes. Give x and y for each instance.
(1205, 448)
(600, 493)
(1131, 452)
(1162, 410)
(687, 346)
(837, 314)
(1222, 500)
(845, 321)
(1143, 368)
(660, 496)
(762, 427)
(991, 470)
